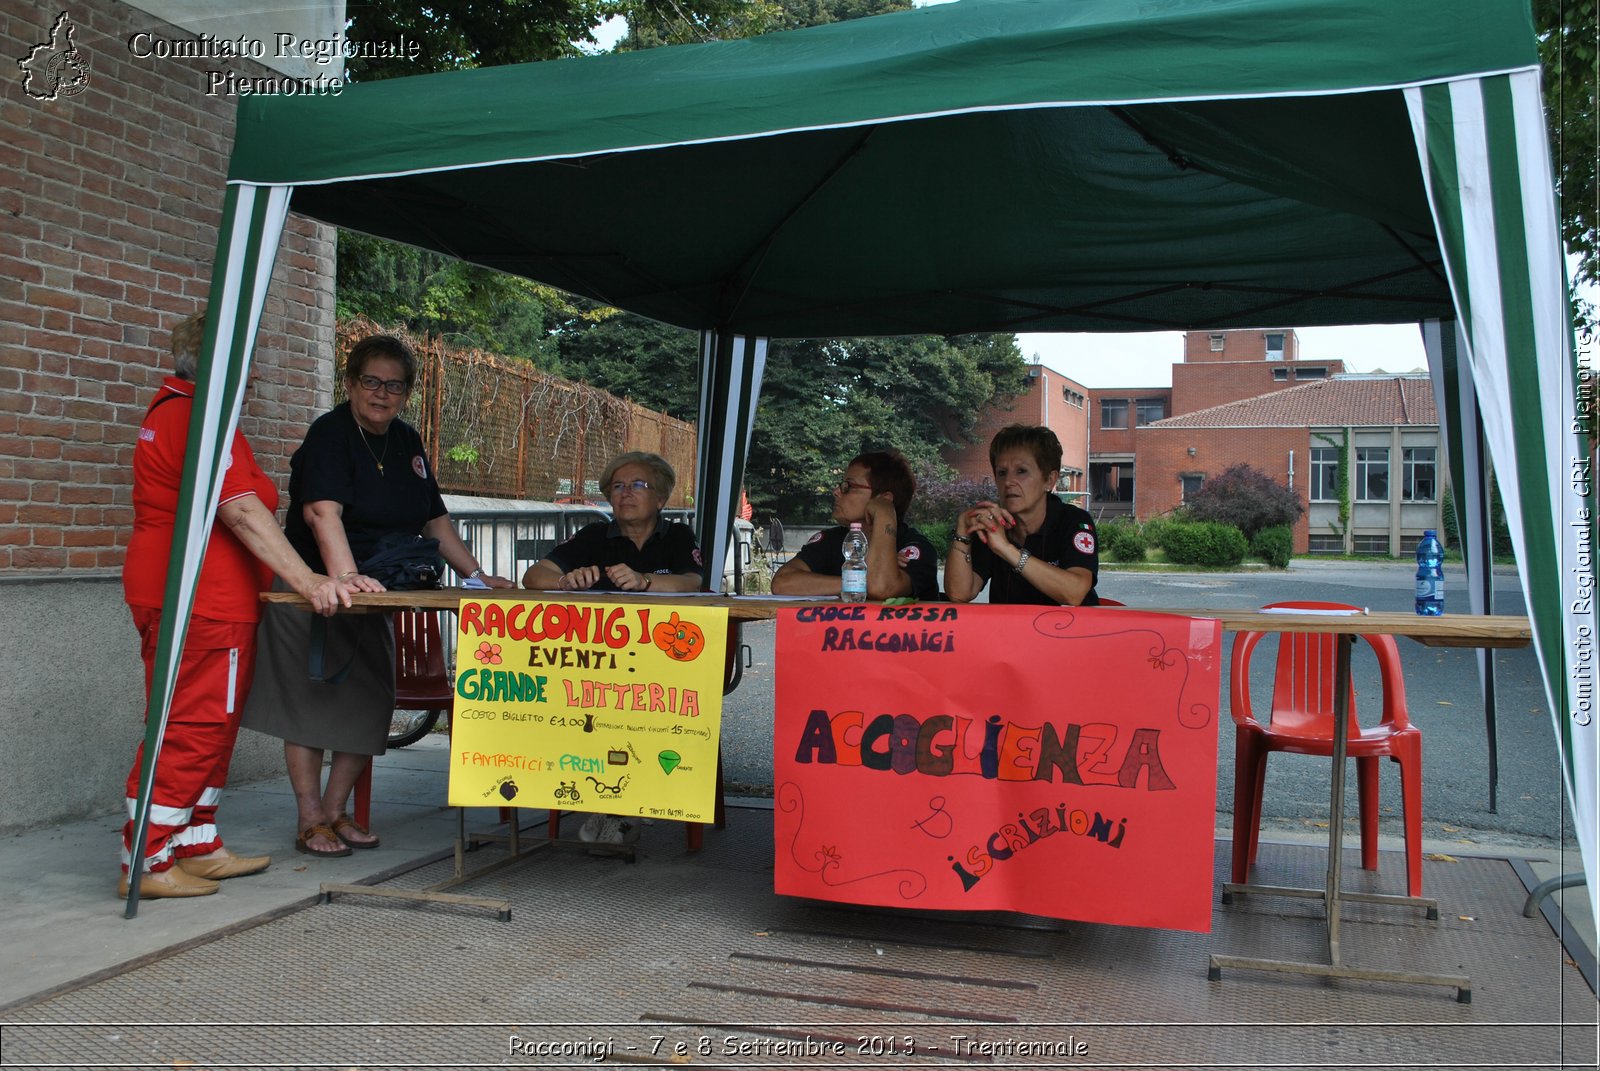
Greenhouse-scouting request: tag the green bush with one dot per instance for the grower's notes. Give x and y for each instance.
(1275, 546)
(1122, 541)
(1204, 543)
(1155, 529)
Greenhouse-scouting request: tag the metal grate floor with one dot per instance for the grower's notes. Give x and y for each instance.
(692, 960)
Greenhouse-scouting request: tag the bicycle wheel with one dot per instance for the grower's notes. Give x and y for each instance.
(408, 726)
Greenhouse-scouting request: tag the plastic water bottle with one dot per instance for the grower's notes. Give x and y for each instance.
(1430, 575)
(853, 575)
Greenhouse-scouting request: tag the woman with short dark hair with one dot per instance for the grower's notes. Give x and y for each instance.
(876, 492)
(1030, 546)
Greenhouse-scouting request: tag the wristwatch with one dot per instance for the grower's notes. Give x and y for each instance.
(476, 574)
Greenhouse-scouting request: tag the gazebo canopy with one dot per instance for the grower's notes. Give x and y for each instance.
(986, 165)
(992, 165)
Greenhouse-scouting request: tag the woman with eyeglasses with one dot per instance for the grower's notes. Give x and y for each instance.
(634, 551)
(876, 492)
(360, 475)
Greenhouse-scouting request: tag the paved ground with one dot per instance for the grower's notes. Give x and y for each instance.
(696, 947)
(68, 955)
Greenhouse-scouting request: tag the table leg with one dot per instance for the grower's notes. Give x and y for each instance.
(1332, 896)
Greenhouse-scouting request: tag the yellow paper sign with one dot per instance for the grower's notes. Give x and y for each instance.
(607, 706)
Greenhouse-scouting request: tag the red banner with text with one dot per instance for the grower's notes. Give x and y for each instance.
(1055, 761)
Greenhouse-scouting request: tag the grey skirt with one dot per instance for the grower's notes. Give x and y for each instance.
(352, 715)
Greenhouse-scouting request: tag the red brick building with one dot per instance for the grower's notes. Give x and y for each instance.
(1050, 400)
(114, 144)
(1248, 396)
(1383, 431)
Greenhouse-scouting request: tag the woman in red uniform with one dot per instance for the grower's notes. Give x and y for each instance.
(183, 852)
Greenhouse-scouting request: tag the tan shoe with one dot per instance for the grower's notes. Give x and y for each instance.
(169, 882)
(226, 865)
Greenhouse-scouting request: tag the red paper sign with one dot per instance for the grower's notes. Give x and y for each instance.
(1049, 760)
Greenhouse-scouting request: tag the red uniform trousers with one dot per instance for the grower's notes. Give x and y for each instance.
(214, 676)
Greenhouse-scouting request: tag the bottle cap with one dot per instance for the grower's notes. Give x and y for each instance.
(1426, 532)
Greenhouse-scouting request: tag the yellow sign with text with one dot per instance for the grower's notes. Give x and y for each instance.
(607, 706)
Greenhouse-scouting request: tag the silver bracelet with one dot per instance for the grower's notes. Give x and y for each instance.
(1022, 561)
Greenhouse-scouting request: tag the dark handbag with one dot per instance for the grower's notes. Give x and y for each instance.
(405, 563)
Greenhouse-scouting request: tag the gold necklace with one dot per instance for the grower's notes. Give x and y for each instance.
(377, 460)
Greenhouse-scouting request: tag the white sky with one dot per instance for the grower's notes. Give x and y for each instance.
(1146, 360)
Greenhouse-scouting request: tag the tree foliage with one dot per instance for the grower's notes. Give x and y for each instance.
(1246, 498)
(826, 400)
(1569, 50)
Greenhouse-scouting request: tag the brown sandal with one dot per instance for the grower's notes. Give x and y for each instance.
(344, 822)
(302, 842)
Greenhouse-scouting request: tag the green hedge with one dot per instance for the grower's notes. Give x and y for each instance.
(1122, 541)
(1275, 546)
(1204, 543)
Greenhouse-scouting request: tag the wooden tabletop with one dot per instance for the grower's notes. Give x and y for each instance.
(1446, 630)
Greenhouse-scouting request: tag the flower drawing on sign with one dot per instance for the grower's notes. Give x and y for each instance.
(488, 653)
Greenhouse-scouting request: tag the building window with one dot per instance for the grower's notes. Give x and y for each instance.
(1149, 410)
(1417, 475)
(1280, 374)
(1217, 340)
(1324, 473)
(1311, 373)
(1072, 397)
(1372, 475)
(1191, 482)
(1111, 481)
(1275, 346)
(1371, 544)
(1321, 543)
(1113, 413)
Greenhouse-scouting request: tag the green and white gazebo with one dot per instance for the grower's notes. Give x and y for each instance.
(993, 165)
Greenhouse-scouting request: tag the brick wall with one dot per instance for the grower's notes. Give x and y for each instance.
(1203, 385)
(1034, 407)
(1104, 440)
(1237, 345)
(111, 199)
(1164, 458)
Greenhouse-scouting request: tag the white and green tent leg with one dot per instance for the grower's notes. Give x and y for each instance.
(1487, 168)
(1461, 428)
(731, 368)
(252, 225)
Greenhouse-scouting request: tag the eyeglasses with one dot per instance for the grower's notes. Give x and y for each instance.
(374, 384)
(846, 486)
(638, 487)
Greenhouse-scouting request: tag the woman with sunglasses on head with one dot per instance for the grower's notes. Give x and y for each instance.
(634, 551)
(876, 492)
(360, 476)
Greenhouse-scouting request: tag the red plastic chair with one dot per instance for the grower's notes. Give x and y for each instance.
(421, 682)
(1302, 724)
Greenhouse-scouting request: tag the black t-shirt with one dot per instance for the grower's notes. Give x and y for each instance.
(824, 554)
(338, 462)
(1067, 541)
(671, 548)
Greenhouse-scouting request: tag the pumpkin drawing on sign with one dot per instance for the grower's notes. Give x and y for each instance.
(681, 640)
